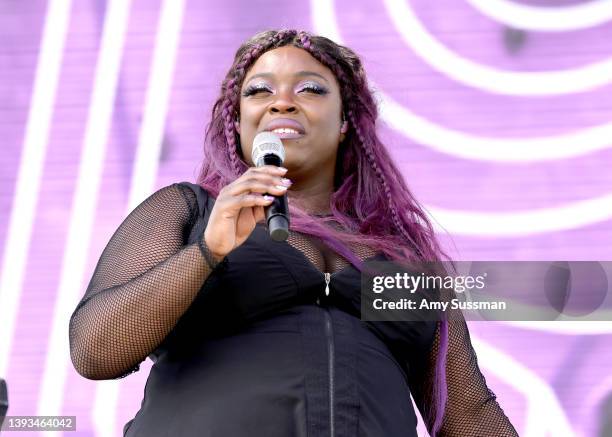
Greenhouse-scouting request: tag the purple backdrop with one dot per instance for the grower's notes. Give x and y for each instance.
(503, 134)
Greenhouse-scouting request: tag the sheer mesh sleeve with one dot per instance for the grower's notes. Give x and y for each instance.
(145, 279)
(471, 409)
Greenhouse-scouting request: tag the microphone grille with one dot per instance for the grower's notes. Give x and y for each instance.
(266, 143)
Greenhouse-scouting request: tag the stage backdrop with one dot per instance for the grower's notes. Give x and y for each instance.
(497, 112)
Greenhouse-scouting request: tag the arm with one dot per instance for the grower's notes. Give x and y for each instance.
(144, 281)
(471, 408)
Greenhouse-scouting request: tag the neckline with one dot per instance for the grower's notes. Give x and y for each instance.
(315, 268)
(311, 265)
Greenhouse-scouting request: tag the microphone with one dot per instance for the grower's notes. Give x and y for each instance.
(268, 150)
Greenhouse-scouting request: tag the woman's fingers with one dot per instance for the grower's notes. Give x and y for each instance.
(247, 200)
(267, 179)
(260, 214)
(240, 205)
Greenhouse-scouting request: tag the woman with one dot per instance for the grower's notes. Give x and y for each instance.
(262, 338)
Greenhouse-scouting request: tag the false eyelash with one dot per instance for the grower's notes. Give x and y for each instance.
(314, 88)
(254, 89)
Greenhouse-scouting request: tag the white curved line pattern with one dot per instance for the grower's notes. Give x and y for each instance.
(516, 224)
(474, 223)
(545, 415)
(545, 19)
(487, 78)
(469, 146)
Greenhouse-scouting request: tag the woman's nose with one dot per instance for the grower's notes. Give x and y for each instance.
(283, 103)
(276, 108)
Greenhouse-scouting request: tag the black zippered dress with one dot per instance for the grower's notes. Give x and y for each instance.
(263, 344)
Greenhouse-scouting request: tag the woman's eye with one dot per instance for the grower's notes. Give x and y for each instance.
(313, 88)
(255, 90)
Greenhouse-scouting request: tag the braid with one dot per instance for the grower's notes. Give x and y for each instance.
(350, 96)
(383, 181)
(230, 136)
(305, 40)
(343, 79)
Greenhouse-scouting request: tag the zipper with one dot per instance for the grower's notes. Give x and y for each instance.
(327, 277)
(329, 333)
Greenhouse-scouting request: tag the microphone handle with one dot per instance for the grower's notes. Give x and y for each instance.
(277, 213)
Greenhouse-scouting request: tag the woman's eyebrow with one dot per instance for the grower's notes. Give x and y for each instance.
(298, 74)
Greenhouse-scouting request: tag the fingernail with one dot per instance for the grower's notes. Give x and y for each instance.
(283, 170)
(286, 182)
(268, 198)
(281, 187)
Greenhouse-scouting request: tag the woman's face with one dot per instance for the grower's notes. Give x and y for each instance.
(288, 88)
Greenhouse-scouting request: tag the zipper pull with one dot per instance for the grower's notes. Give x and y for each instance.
(327, 279)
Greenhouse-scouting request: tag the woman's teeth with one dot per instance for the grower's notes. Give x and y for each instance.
(285, 131)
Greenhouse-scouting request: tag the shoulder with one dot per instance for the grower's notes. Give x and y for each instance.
(177, 197)
(189, 186)
(196, 195)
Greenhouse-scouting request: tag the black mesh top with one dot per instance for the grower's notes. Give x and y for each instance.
(156, 292)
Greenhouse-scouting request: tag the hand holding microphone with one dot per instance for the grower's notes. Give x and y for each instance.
(240, 204)
(268, 150)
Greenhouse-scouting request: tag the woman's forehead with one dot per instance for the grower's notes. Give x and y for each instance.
(288, 61)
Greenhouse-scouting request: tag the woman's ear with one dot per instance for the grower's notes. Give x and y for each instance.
(344, 128)
(237, 126)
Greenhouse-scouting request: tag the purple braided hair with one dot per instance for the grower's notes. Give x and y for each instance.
(357, 204)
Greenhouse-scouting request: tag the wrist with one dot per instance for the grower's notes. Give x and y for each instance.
(212, 259)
